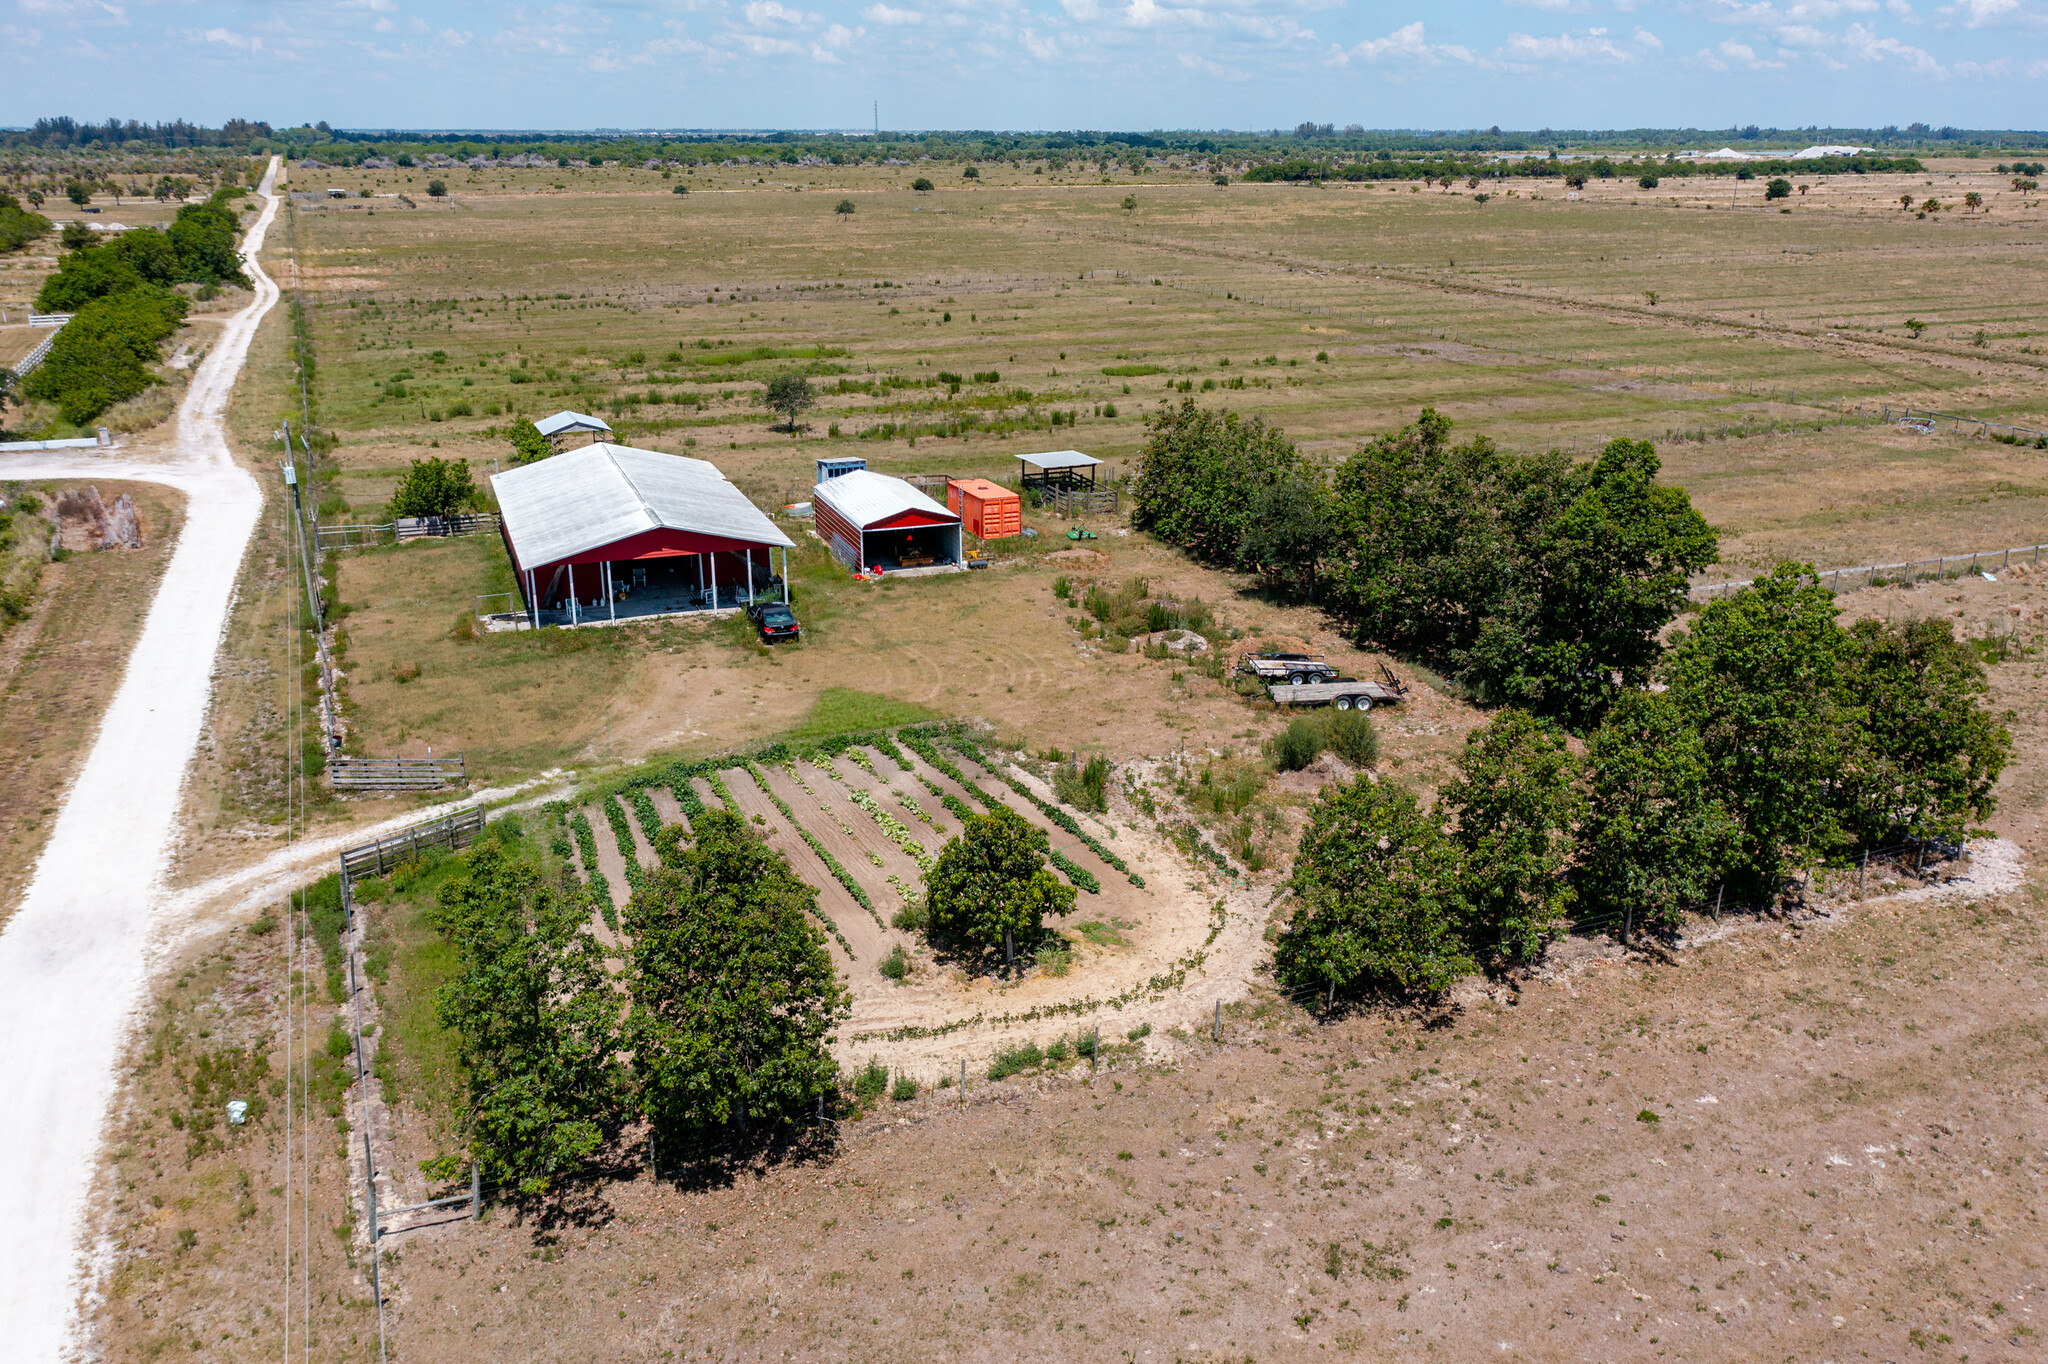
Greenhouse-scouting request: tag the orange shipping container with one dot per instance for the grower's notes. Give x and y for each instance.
(987, 510)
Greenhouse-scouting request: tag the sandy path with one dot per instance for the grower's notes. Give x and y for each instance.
(73, 958)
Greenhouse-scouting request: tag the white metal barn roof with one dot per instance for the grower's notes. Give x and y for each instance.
(864, 497)
(573, 503)
(1816, 153)
(1061, 459)
(569, 421)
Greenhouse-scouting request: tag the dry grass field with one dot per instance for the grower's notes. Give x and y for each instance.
(1840, 1158)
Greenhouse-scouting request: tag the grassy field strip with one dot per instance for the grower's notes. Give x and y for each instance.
(1810, 338)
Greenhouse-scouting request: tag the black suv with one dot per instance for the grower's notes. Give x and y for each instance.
(774, 621)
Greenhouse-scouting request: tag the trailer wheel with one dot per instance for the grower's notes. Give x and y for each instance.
(1343, 703)
(1297, 679)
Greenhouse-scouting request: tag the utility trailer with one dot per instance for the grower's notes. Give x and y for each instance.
(1294, 669)
(1345, 693)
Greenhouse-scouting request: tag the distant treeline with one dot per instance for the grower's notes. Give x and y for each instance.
(1387, 166)
(115, 134)
(1328, 141)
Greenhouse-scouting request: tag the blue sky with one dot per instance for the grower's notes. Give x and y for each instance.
(1122, 64)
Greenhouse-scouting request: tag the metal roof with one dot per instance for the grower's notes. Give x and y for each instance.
(864, 497)
(575, 502)
(1061, 459)
(569, 421)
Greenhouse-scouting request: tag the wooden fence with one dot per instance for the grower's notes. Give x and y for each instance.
(451, 832)
(396, 774)
(1072, 502)
(405, 528)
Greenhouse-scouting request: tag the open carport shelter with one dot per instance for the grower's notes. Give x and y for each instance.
(611, 532)
(869, 518)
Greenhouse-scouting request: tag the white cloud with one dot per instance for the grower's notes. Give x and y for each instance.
(1765, 14)
(1861, 43)
(229, 38)
(453, 38)
(1649, 40)
(1729, 53)
(892, 17)
(762, 13)
(1589, 45)
(1804, 35)
(1553, 6)
(1982, 13)
(1406, 43)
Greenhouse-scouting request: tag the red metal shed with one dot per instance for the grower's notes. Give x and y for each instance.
(869, 518)
(988, 510)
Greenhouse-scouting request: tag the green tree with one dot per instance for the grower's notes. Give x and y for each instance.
(1928, 754)
(18, 226)
(1288, 534)
(204, 235)
(83, 276)
(150, 252)
(1756, 677)
(1512, 808)
(791, 394)
(1199, 473)
(528, 444)
(1778, 188)
(921, 185)
(78, 192)
(1610, 571)
(971, 173)
(1647, 181)
(1377, 904)
(844, 208)
(535, 1017)
(991, 884)
(434, 487)
(1430, 539)
(102, 355)
(734, 994)
(1654, 835)
(437, 189)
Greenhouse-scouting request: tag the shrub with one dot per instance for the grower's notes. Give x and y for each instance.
(921, 185)
(1351, 736)
(870, 1081)
(1779, 188)
(1083, 787)
(1054, 957)
(18, 226)
(1300, 744)
(971, 173)
(896, 965)
(1015, 1061)
(437, 189)
(1139, 1033)
(903, 1090)
(1647, 181)
(913, 917)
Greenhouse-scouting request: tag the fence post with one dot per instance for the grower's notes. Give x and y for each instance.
(1217, 1031)
(1094, 1049)
(963, 1079)
(476, 1190)
(1628, 919)
(1719, 891)
(1863, 869)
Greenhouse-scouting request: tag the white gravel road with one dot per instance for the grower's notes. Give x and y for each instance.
(73, 957)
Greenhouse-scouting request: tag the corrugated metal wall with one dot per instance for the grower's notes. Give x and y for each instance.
(842, 537)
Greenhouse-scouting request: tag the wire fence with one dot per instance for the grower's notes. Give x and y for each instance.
(1911, 571)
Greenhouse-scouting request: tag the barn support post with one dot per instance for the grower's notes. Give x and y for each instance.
(712, 559)
(750, 575)
(610, 602)
(575, 607)
(532, 606)
(785, 577)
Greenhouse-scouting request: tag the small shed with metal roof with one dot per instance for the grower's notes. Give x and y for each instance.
(1057, 469)
(870, 519)
(612, 532)
(569, 423)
